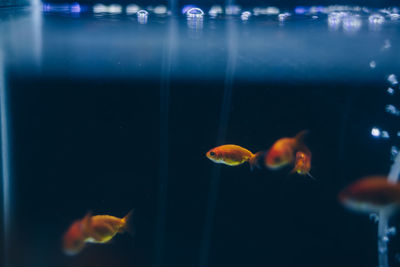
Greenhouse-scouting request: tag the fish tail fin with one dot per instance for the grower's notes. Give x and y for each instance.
(128, 223)
(254, 160)
(301, 136)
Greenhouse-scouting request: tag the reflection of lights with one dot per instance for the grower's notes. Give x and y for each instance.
(245, 15)
(232, 10)
(385, 134)
(386, 45)
(63, 8)
(334, 20)
(317, 9)
(186, 8)
(75, 8)
(132, 9)
(215, 11)
(115, 9)
(375, 132)
(160, 10)
(351, 23)
(314, 17)
(195, 12)
(300, 10)
(265, 11)
(390, 91)
(392, 110)
(376, 19)
(394, 151)
(392, 79)
(283, 16)
(372, 64)
(99, 8)
(394, 16)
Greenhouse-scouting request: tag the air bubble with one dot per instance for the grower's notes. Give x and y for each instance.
(283, 16)
(385, 239)
(375, 132)
(195, 13)
(376, 19)
(215, 11)
(390, 91)
(392, 79)
(394, 16)
(372, 64)
(391, 231)
(386, 44)
(314, 17)
(142, 16)
(385, 134)
(392, 110)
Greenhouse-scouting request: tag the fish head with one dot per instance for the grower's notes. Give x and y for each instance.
(279, 156)
(74, 239)
(214, 155)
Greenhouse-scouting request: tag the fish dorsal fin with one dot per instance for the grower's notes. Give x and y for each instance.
(86, 222)
(301, 136)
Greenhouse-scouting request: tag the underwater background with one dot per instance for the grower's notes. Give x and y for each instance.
(106, 114)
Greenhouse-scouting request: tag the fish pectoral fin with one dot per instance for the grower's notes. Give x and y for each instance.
(312, 177)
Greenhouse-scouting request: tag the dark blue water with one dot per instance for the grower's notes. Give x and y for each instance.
(107, 114)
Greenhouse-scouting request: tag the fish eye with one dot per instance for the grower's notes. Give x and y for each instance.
(212, 153)
(277, 159)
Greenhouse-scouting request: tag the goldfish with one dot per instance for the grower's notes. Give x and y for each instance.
(283, 151)
(302, 163)
(94, 229)
(231, 155)
(371, 195)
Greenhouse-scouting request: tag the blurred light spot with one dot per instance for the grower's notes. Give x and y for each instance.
(390, 90)
(75, 8)
(132, 9)
(160, 10)
(375, 132)
(392, 110)
(386, 45)
(314, 17)
(232, 10)
(394, 16)
(195, 13)
(393, 152)
(392, 79)
(335, 19)
(376, 19)
(99, 8)
(372, 64)
(265, 11)
(245, 15)
(186, 8)
(115, 9)
(215, 11)
(299, 10)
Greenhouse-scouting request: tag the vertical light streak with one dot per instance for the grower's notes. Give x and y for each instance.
(223, 125)
(164, 112)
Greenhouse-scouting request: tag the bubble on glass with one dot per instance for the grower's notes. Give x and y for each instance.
(195, 12)
(142, 16)
(215, 10)
(392, 110)
(372, 64)
(232, 10)
(132, 9)
(100, 8)
(390, 91)
(351, 23)
(392, 79)
(160, 10)
(394, 16)
(375, 132)
(245, 15)
(385, 135)
(386, 44)
(376, 19)
(393, 152)
(282, 17)
(374, 217)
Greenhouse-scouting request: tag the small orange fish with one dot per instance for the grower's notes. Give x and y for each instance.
(94, 229)
(371, 195)
(302, 163)
(231, 155)
(283, 151)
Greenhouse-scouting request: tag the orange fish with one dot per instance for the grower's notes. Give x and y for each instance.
(283, 151)
(231, 155)
(302, 163)
(371, 195)
(94, 229)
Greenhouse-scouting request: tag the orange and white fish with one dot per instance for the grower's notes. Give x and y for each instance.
(302, 163)
(371, 195)
(283, 151)
(231, 155)
(94, 229)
